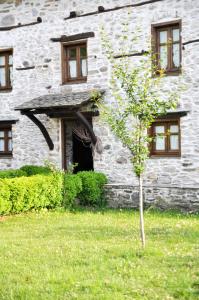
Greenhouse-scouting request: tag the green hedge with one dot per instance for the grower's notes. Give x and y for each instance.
(72, 188)
(92, 193)
(5, 203)
(26, 193)
(27, 170)
(31, 170)
(87, 186)
(12, 173)
(49, 190)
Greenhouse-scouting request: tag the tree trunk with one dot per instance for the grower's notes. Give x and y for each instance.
(142, 234)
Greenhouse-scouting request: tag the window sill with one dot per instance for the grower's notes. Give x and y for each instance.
(165, 156)
(74, 82)
(170, 73)
(173, 73)
(6, 156)
(6, 90)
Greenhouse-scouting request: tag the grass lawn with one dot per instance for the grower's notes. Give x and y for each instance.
(97, 255)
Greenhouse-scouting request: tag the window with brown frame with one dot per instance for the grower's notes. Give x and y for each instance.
(6, 67)
(167, 46)
(165, 137)
(74, 63)
(5, 140)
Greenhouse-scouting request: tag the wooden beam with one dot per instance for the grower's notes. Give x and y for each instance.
(51, 111)
(75, 37)
(42, 129)
(190, 42)
(99, 11)
(6, 122)
(87, 125)
(70, 114)
(25, 68)
(39, 20)
(143, 52)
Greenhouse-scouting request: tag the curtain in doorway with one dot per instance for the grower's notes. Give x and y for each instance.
(82, 134)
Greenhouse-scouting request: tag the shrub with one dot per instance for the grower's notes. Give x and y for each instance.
(72, 187)
(92, 188)
(31, 170)
(5, 204)
(36, 192)
(12, 173)
(55, 189)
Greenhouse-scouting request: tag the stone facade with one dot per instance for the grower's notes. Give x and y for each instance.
(162, 197)
(32, 47)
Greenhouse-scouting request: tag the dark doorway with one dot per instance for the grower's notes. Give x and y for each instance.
(82, 155)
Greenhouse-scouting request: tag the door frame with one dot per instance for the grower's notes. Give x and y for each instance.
(63, 144)
(89, 117)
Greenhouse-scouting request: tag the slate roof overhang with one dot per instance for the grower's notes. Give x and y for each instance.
(56, 102)
(61, 106)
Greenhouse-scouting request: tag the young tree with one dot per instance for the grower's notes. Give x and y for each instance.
(136, 102)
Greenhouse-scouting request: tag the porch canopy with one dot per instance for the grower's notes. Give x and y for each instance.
(69, 105)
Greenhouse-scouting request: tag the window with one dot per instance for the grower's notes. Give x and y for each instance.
(6, 66)
(167, 46)
(165, 138)
(5, 140)
(75, 63)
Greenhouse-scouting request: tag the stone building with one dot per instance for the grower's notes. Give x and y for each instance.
(51, 58)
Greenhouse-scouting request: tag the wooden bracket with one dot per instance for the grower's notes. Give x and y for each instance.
(42, 129)
(84, 121)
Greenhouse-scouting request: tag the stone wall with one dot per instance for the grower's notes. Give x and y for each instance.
(32, 47)
(69, 142)
(162, 197)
